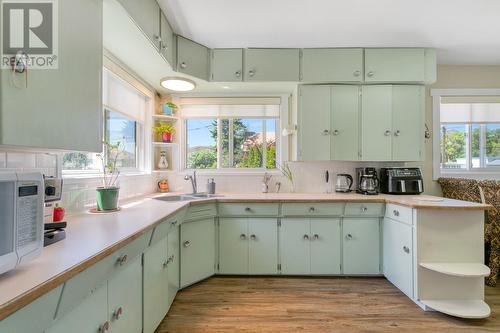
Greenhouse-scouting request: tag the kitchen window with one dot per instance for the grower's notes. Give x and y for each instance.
(468, 132)
(231, 133)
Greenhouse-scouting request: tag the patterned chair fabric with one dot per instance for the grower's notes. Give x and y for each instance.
(460, 189)
(491, 193)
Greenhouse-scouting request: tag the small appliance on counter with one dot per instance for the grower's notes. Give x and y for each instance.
(401, 181)
(344, 183)
(367, 181)
(53, 227)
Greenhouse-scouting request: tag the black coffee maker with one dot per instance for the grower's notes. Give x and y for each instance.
(367, 181)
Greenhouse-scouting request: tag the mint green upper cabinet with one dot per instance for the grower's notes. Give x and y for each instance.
(263, 246)
(125, 299)
(155, 288)
(394, 65)
(90, 316)
(173, 263)
(192, 58)
(295, 246)
(314, 123)
(146, 14)
(376, 123)
(233, 245)
(332, 65)
(408, 123)
(167, 44)
(325, 246)
(345, 122)
(271, 65)
(361, 246)
(197, 251)
(227, 65)
(52, 101)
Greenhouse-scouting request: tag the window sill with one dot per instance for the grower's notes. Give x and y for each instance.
(232, 172)
(471, 174)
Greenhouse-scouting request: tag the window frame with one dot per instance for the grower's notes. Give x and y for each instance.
(436, 137)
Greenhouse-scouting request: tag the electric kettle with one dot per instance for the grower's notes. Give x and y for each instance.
(368, 184)
(344, 183)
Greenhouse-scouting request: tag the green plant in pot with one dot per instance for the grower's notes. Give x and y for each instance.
(165, 130)
(107, 194)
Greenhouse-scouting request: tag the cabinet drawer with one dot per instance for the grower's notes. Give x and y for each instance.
(200, 211)
(248, 209)
(82, 285)
(161, 231)
(312, 209)
(399, 213)
(364, 209)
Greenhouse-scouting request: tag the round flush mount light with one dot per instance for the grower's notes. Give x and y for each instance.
(177, 84)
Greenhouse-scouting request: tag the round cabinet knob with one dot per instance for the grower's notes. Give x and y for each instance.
(248, 209)
(237, 74)
(316, 236)
(165, 264)
(253, 237)
(335, 132)
(363, 209)
(387, 133)
(397, 133)
(243, 236)
(157, 38)
(122, 260)
(325, 132)
(356, 73)
(104, 328)
(171, 258)
(164, 47)
(348, 237)
(395, 212)
(251, 72)
(406, 249)
(311, 209)
(370, 74)
(173, 223)
(186, 243)
(306, 237)
(183, 65)
(118, 313)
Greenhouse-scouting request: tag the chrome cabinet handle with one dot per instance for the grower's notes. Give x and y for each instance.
(237, 74)
(325, 132)
(104, 327)
(387, 133)
(363, 209)
(186, 243)
(118, 313)
(243, 236)
(311, 209)
(122, 260)
(183, 65)
(253, 237)
(395, 212)
(306, 237)
(335, 132)
(406, 249)
(348, 237)
(397, 133)
(316, 236)
(356, 73)
(370, 74)
(251, 72)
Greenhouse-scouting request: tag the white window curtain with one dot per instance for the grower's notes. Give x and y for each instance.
(230, 107)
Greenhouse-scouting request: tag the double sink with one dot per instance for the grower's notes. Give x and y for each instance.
(186, 197)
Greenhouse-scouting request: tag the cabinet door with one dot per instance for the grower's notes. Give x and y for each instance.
(271, 65)
(192, 58)
(197, 251)
(325, 246)
(125, 299)
(146, 14)
(314, 123)
(408, 123)
(361, 246)
(332, 65)
(398, 255)
(376, 123)
(233, 246)
(395, 65)
(155, 285)
(295, 246)
(167, 40)
(173, 268)
(87, 317)
(227, 65)
(60, 108)
(345, 123)
(263, 246)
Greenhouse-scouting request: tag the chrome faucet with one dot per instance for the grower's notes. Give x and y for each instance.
(193, 181)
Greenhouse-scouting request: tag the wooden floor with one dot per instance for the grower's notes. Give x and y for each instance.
(290, 305)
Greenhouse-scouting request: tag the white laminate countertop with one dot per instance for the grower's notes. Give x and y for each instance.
(91, 237)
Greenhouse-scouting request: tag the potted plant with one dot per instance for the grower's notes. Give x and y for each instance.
(108, 193)
(169, 108)
(165, 130)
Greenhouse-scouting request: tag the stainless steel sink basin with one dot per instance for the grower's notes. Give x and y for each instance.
(186, 197)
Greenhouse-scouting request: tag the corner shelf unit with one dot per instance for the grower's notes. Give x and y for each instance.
(171, 149)
(471, 309)
(463, 269)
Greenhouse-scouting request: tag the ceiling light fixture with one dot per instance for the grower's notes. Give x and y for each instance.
(177, 84)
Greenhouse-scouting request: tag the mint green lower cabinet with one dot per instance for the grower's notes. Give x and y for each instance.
(361, 246)
(233, 245)
(87, 317)
(325, 246)
(295, 246)
(155, 290)
(125, 299)
(173, 264)
(197, 251)
(263, 246)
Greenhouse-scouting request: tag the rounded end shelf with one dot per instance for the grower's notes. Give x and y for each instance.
(462, 269)
(471, 309)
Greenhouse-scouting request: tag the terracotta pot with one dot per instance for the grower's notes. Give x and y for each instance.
(166, 137)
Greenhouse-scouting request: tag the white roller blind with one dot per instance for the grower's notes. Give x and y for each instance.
(230, 107)
(122, 97)
(470, 113)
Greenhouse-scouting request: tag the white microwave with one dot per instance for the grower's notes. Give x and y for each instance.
(21, 218)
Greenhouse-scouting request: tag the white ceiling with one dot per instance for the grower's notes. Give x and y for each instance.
(463, 31)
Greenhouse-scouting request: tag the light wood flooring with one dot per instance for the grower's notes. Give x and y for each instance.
(310, 305)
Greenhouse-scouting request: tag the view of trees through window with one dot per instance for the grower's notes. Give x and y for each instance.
(243, 143)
